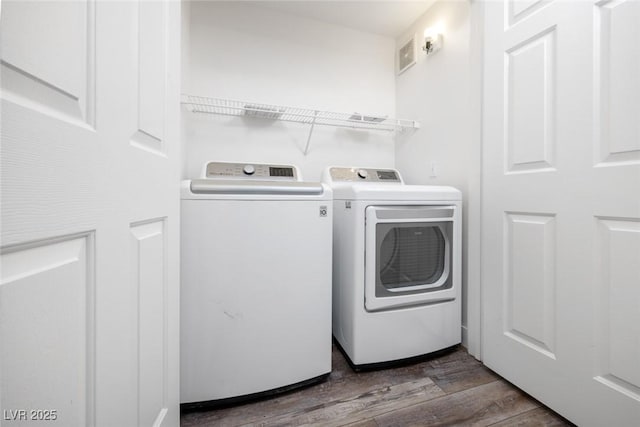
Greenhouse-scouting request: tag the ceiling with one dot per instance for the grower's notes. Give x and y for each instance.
(386, 18)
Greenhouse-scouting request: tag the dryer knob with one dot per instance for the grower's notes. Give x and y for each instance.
(362, 173)
(249, 170)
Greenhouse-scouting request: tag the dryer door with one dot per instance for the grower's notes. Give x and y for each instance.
(409, 256)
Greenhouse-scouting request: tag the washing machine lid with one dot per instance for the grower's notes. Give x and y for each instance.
(394, 192)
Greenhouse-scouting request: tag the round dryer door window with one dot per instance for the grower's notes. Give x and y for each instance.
(411, 255)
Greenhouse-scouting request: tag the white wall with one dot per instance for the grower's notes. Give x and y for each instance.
(255, 54)
(437, 92)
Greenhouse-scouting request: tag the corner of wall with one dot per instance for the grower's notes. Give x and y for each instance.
(441, 91)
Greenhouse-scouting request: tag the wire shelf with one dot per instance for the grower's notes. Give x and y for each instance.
(228, 107)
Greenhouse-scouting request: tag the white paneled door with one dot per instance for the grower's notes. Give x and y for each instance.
(90, 213)
(561, 204)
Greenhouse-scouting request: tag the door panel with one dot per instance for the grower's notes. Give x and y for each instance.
(518, 10)
(529, 110)
(561, 204)
(149, 249)
(48, 287)
(530, 280)
(150, 91)
(33, 73)
(618, 293)
(410, 255)
(617, 77)
(90, 222)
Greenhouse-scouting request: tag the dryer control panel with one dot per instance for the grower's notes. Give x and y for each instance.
(252, 171)
(364, 175)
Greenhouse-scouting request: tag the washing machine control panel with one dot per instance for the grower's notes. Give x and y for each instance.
(253, 171)
(364, 175)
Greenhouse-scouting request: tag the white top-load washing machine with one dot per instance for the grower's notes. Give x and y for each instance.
(255, 283)
(396, 266)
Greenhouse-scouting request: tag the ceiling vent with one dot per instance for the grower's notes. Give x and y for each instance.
(407, 55)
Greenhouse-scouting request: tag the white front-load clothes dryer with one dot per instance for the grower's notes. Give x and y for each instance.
(396, 266)
(255, 283)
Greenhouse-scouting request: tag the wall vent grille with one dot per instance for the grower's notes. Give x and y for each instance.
(407, 55)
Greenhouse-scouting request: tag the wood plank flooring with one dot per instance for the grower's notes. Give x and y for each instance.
(453, 389)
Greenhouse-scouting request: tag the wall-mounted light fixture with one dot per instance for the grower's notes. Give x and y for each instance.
(432, 40)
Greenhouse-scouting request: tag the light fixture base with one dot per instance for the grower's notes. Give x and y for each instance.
(432, 44)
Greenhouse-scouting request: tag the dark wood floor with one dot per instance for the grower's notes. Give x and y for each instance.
(454, 389)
